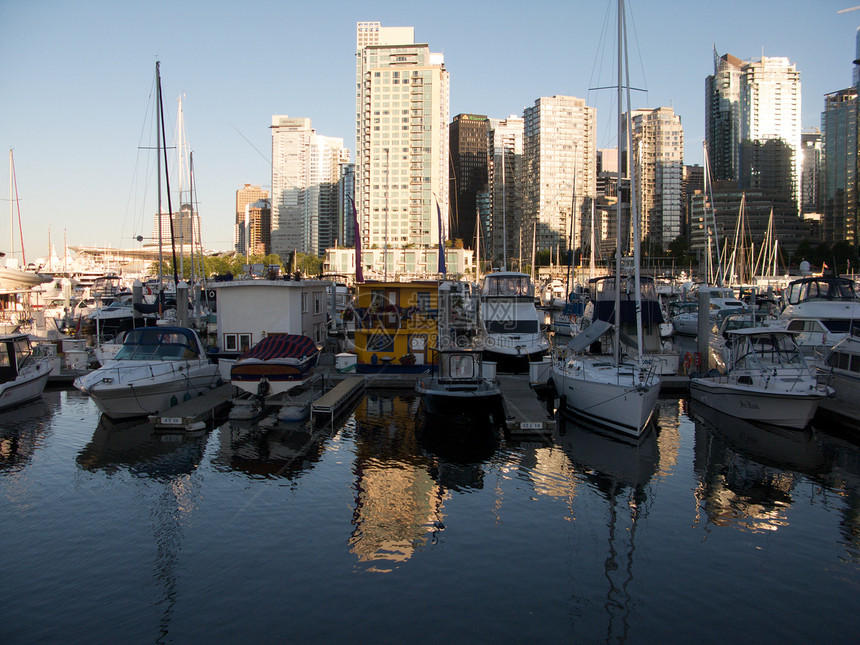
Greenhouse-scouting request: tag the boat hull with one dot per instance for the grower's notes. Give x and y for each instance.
(25, 388)
(472, 403)
(144, 396)
(786, 409)
(621, 406)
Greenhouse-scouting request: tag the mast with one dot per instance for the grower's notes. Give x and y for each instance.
(591, 262)
(617, 324)
(708, 198)
(633, 205)
(11, 205)
(166, 175)
(504, 221)
(570, 239)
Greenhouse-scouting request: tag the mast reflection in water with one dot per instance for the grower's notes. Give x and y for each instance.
(382, 528)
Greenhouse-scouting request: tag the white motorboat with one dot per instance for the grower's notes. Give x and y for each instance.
(767, 380)
(841, 370)
(459, 385)
(822, 310)
(23, 374)
(722, 301)
(156, 368)
(509, 320)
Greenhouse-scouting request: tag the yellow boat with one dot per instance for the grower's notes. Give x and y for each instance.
(396, 325)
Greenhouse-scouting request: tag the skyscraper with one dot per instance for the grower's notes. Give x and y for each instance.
(305, 176)
(748, 104)
(401, 140)
(248, 194)
(658, 159)
(501, 224)
(560, 152)
(469, 172)
(839, 174)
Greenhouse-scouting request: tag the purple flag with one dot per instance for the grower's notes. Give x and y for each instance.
(359, 275)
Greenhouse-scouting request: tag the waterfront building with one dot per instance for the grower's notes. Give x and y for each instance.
(305, 179)
(560, 166)
(658, 162)
(402, 152)
(259, 227)
(839, 173)
(723, 116)
(248, 194)
(345, 199)
(505, 191)
(404, 263)
(811, 159)
(468, 141)
(249, 310)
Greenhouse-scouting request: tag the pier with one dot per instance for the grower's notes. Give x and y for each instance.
(335, 401)
(527, 416)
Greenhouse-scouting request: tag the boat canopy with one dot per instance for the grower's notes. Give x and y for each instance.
(281, 346)
(508, 285)
(820, 289)
(168, 343)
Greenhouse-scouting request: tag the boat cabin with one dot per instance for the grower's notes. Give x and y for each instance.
(14, 351)
(810, 289)
(164, 343)
(507, 284)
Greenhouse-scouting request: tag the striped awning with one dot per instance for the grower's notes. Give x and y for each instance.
(281, 346)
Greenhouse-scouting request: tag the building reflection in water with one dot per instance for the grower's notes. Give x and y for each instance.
(398, 503)
(169, 459)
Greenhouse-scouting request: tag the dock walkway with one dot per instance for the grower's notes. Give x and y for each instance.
(333, 402)
(527, 416)
(193, 413)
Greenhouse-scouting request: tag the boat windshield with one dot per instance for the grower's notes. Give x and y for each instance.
(820, 289)
(512, 326)
(508, 286)
(458, 366)
(603, 289)
(153, 343)
(767, 350)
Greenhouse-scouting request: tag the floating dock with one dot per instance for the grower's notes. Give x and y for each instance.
(527, 416)
(335, 401)
(193, 413)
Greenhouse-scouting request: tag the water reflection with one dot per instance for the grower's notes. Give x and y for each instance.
(273, 450)
(620, 470)
(460, 439)
(22, 431)
(398, 503)
(748, 472)
(169, 460)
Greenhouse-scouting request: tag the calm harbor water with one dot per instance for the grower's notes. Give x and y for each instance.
(708, 530)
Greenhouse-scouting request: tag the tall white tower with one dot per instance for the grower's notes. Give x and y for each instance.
(402, 113)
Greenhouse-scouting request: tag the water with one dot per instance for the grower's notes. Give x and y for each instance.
(371, 532)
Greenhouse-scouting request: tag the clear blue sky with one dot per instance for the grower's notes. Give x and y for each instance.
(76, 98)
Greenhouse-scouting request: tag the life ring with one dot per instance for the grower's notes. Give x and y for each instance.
(148, 291)
(572, 318)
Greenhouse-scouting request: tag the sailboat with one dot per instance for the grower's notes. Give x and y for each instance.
(620, 395)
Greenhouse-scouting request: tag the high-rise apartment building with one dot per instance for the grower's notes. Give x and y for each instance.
(402, 160)
(468, 141)
(560, 165)
(501, 224)
(247, 194)
(839, 174)
(748, 104)
(810, 172)
(305, 177)
(184, 228)
(658, 162)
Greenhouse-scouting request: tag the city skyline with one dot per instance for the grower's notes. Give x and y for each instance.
(78, 87)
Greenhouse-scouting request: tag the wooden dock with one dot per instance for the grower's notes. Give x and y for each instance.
(193, 413)
(527, 416)
(334, 402)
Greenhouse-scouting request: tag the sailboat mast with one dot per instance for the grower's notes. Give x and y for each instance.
(166, 176)
(158, 171)
(11, 205)
(616, 315)
(634, 212)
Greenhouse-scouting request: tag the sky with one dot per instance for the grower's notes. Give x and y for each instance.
(78, 86)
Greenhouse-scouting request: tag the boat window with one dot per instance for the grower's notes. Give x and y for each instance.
(844, 361)
(461, 366)
(855, 363)
(512, 326)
